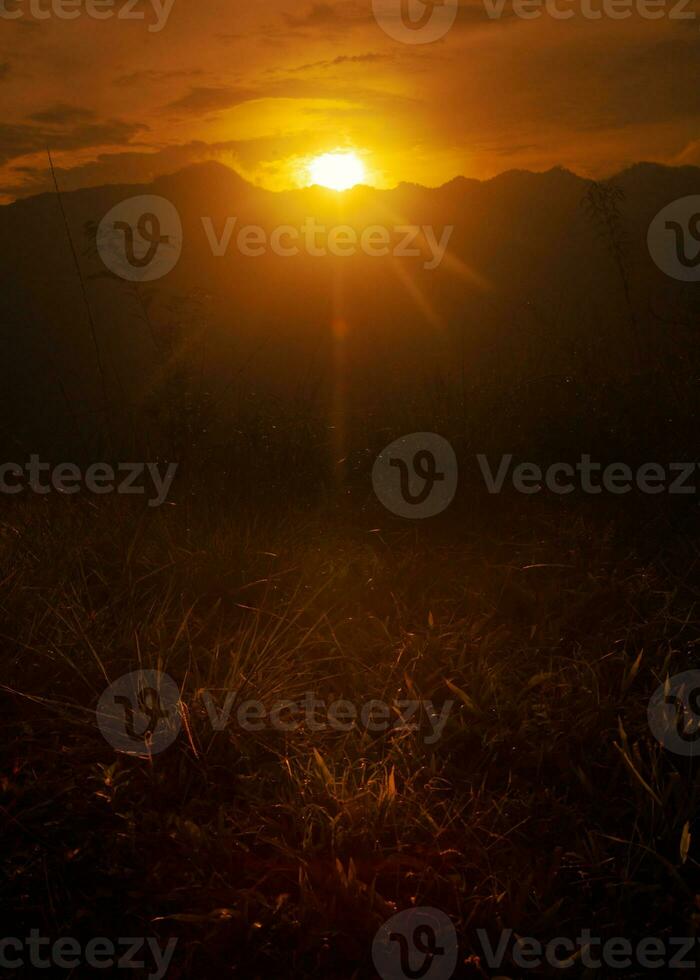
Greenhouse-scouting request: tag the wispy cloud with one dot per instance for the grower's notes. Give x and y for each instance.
(23, 139)
(345, 59)
(209, 99)
(62, 115)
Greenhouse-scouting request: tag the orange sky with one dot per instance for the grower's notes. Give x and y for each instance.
(263, 86)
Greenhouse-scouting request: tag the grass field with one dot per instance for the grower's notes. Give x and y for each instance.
(545, 805)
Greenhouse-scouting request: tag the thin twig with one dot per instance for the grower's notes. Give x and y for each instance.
(91, 321)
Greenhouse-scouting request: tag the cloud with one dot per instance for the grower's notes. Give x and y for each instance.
(319, 14)
(62, 114)
(355, 59)
(473, 13)
(206, 99)
(4, 70)
(126, 167)
(331, 15)
(345, 59)
(689, 155)
(211, 99)
(18, 140)
(149, 76)
(131, 166)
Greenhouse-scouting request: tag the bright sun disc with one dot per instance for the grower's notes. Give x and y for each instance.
(337, 171)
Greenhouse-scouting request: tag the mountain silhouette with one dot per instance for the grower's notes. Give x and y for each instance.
(533, 283)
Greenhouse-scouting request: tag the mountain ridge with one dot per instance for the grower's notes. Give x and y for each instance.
(220, 172)
(525, 267)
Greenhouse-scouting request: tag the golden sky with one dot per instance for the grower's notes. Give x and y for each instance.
(264, 86)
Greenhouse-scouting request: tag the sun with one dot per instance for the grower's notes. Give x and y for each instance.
(337, 171)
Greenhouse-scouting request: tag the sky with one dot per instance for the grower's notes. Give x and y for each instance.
(265, 86)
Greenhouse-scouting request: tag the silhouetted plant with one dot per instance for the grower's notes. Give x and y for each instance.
(602, 203)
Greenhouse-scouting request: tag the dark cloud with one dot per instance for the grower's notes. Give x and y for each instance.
(345, 59)
(205, 99)
(127, 167)
(4, 70)
(356, 59)
(331, 15)
(585, 85)
(150, 76)
(320, 14)
(21, 139)
(673, 65)
(473, 13)
(62, 115)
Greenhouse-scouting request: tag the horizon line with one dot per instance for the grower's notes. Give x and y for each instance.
(200, 164)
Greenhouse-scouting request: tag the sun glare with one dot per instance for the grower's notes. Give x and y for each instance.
(337, 171)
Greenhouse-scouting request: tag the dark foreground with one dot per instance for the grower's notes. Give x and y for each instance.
(541, 803)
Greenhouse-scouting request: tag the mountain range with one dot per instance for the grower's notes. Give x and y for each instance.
(534, 282)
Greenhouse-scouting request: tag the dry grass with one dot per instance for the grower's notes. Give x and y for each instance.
(546, 806)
